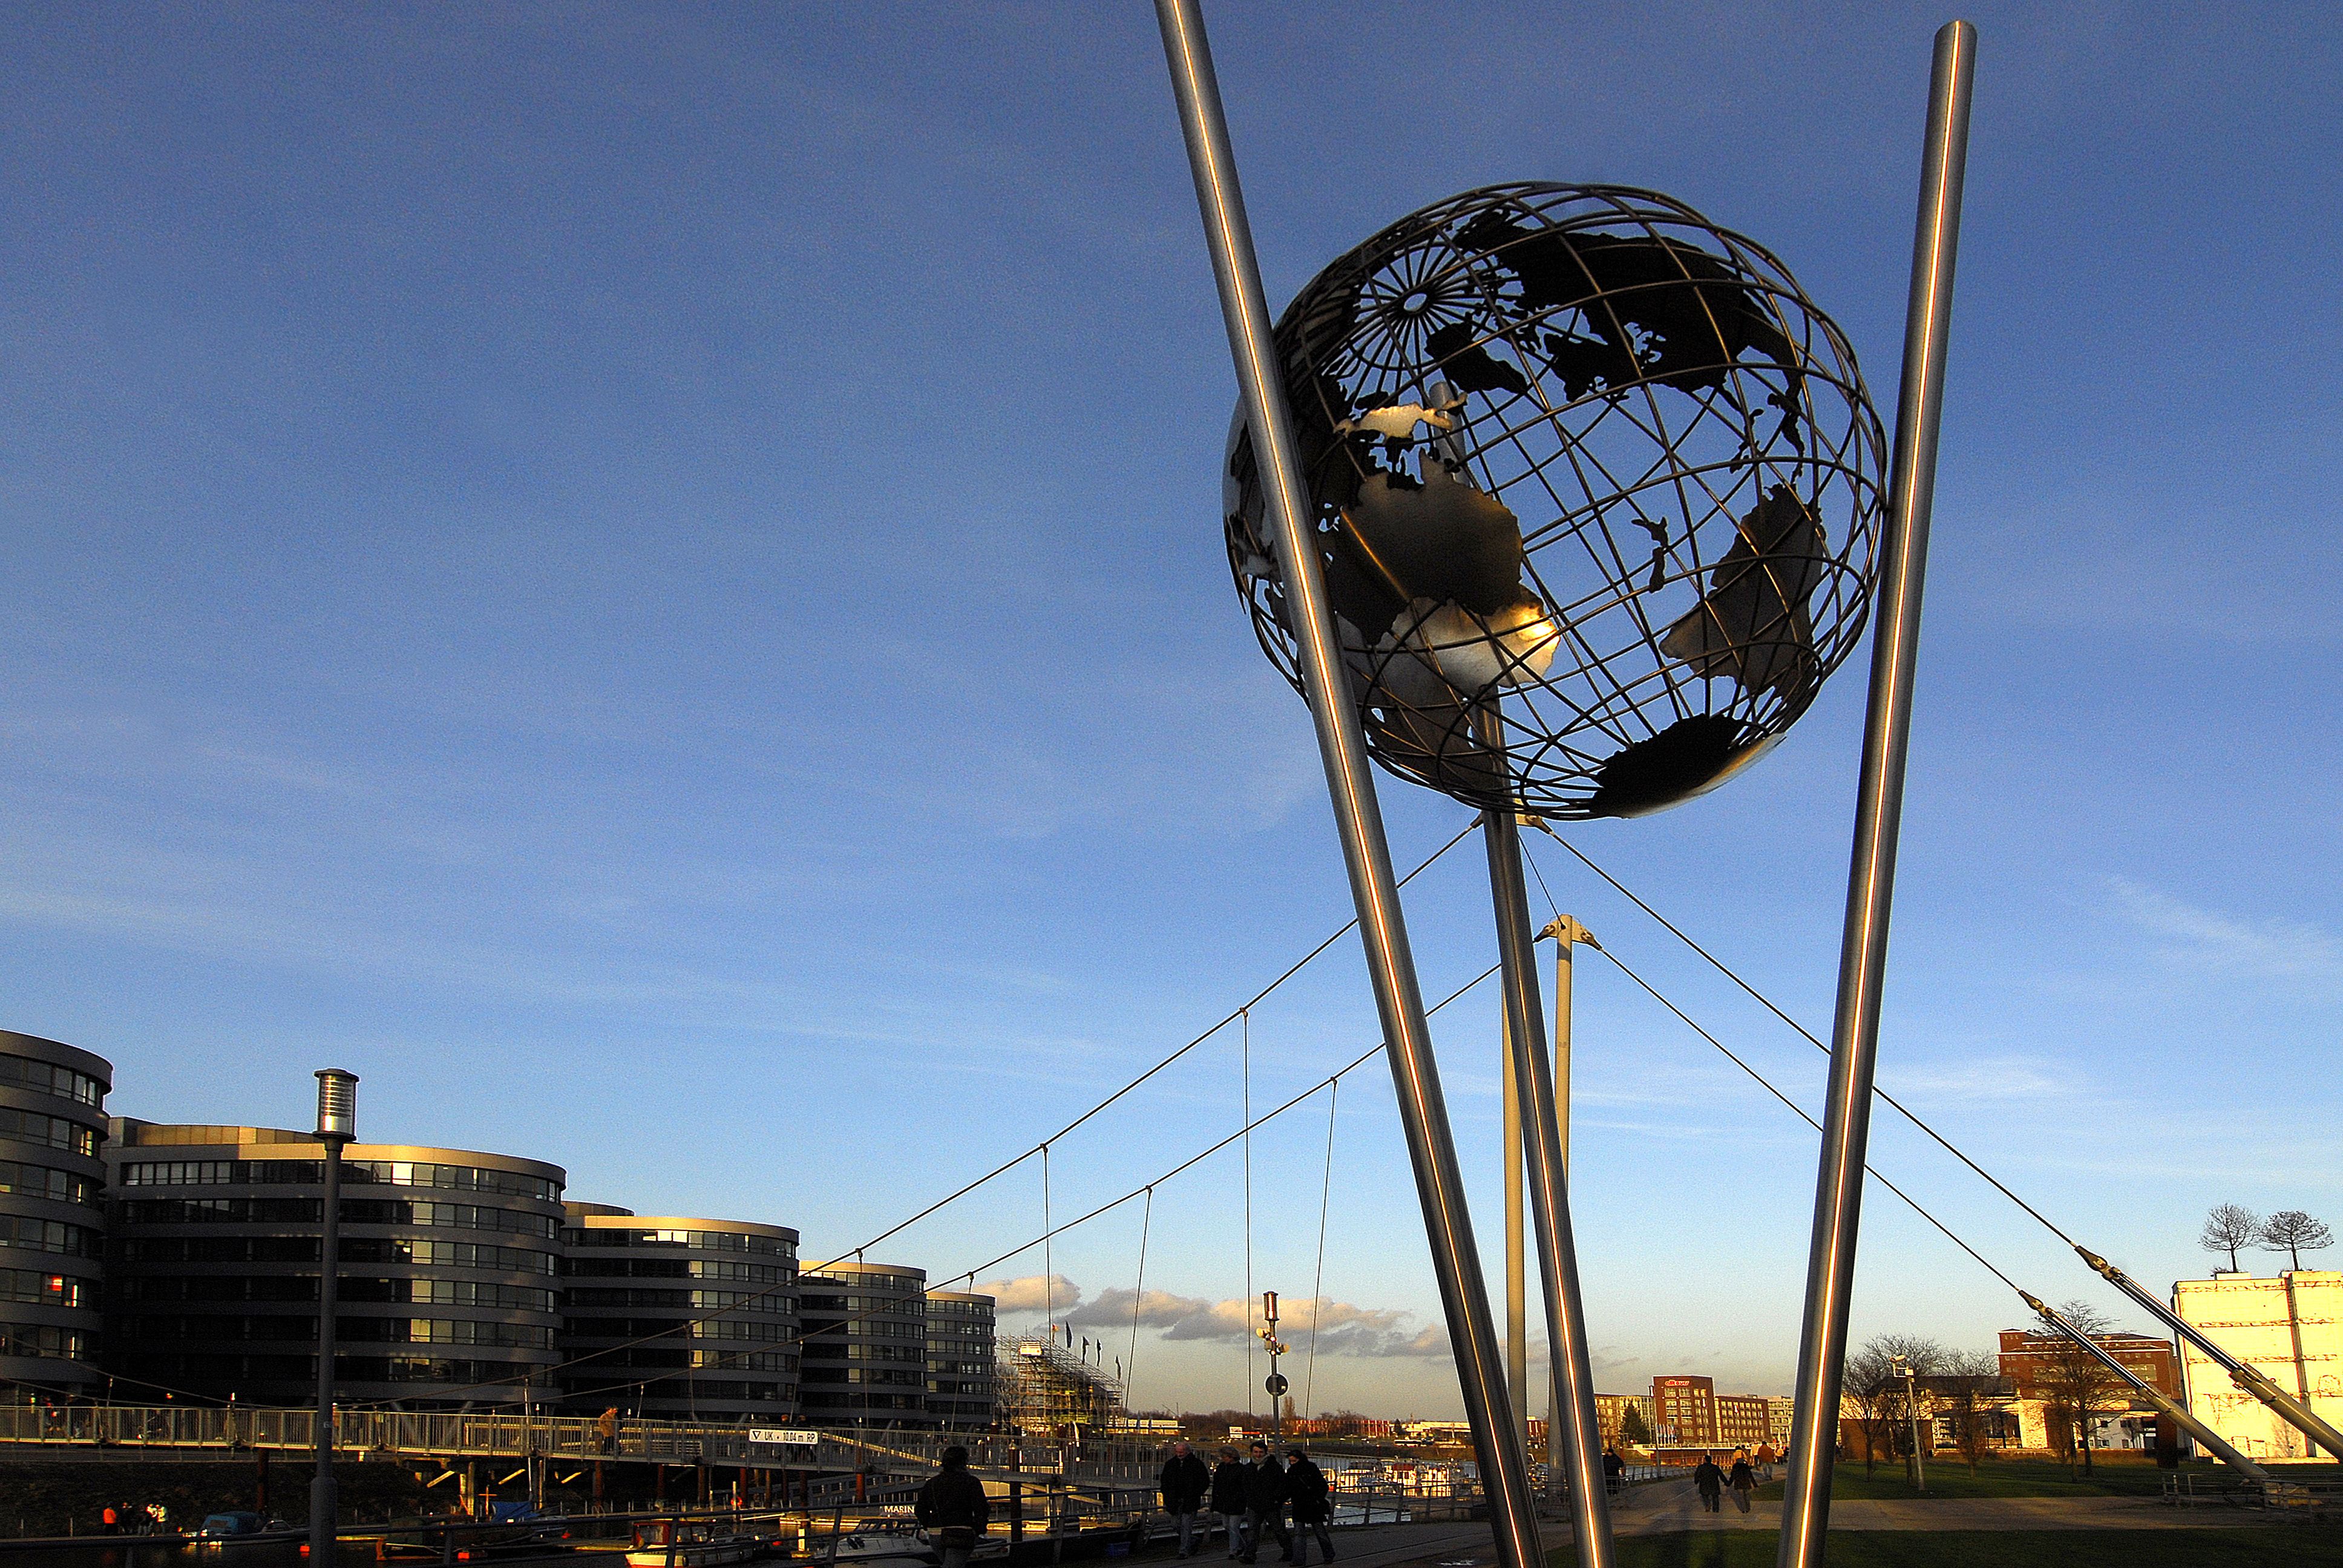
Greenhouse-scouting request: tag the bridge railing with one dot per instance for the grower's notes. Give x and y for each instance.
(512, 1433)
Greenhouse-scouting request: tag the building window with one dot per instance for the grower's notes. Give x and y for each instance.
(47, 1078)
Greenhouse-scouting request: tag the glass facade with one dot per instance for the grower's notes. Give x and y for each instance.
(959, 1360)
(682, 1319)
(866, 1345)
(445, 1301)
(52, 1216)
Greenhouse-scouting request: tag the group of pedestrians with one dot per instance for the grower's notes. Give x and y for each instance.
(1713, 1481)
(1251, 1499)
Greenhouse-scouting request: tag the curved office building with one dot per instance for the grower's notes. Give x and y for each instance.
(51, 1213)
(449, 1265)
(866, 1345)
(959, 1360)
(716, 1299)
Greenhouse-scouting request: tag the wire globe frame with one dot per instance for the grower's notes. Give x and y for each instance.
(1579, 457)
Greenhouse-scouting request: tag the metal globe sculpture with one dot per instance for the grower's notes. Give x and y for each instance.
(1597, 490)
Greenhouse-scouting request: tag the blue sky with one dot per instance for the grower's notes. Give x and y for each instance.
(649, 580)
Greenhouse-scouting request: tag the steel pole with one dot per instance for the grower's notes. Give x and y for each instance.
(2207, 1438)
(1879, 806)
(1517, 1326)
(329, 1268)
(1567, 932)
(1566, 1312)
(1342, 745)
(2245, 1374)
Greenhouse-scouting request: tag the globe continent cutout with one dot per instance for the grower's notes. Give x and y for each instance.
(1596, 493)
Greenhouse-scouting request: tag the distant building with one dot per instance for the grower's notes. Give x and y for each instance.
(2290, 1329)
(1686, 1411)
(53, 1132)
(960, 1367)
(1436, 1431)
(1611, 1409)
(1742, 1420)
(2150, 1359)
(1046, 1389)
(865, 1345)
(1781, 1411)
(451, 1261)
(715, 1299)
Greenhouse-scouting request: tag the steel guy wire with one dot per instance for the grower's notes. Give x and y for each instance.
(1762, 1001)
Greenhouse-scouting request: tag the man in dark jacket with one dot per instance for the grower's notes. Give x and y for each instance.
(1710, 1480)
(1265, 1504)
(1305, 1486)
(953, 1507)
(1184, 1484)
(1229, 1499)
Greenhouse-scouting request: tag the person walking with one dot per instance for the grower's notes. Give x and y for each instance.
(112, 1520)
(1306, 1488)
(1741, 1480)
(1184, 1485)
(953, 1506)
(1711, 1483)
(1614, 1471)
(1229, 1499)
(1265, 1505)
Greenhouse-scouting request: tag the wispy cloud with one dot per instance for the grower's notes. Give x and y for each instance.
(1344, 1329)
(2272, 947)
(1979, 1078)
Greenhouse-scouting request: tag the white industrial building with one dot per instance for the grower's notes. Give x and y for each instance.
(2289, 1328)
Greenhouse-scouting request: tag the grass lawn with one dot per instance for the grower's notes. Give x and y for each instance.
(2307, 1547)
(2019, 1478)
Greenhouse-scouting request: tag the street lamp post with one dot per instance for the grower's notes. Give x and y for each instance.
(1276, 1384)
(1902, 1367)
(337, 1123)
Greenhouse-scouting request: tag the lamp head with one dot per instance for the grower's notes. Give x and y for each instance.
(338, 1104)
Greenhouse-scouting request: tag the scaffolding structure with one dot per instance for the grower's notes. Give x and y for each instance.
(1045, 1389)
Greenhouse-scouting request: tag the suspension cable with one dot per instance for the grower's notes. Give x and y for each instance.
(1049, 1280)
(1764, 1083)
(1318, 1279)
(992, 1175)
(1138, 1296)
(1246, 1033)
(1762, 1001)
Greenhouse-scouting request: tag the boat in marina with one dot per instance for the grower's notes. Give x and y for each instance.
(687, 1543)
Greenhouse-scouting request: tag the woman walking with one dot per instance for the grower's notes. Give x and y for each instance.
(1741, 1481)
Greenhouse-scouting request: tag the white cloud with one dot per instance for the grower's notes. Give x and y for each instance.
(1342, 1329)
(2273, 947)
(1034, 1293)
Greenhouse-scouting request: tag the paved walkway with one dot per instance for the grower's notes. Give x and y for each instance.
(1669, 1507)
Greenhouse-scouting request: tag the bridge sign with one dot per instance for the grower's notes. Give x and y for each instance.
(782, 1437)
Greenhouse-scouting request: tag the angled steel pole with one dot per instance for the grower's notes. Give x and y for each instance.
(1422, 1112)
(1565, 931)
(1517, 1325)
(1879, 806)
(1566, 1312)
(2210, 1440)
(2245, 1374)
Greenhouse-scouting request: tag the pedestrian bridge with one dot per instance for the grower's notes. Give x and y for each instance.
(130, 1431)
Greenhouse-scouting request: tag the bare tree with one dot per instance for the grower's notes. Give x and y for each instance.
(1872, 1386)
(1880, 1392)
(1970, 1381)
(2294, 1233)
(2228, 1228)
(2076, 1386)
